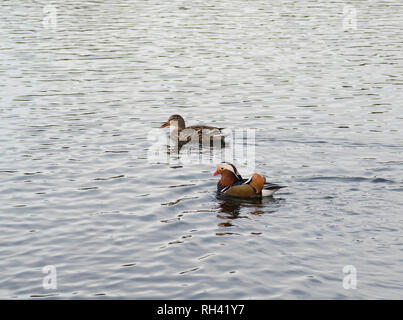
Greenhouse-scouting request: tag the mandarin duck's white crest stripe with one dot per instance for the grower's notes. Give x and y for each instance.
(232, 168)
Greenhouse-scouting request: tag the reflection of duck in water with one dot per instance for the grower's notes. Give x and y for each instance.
(230, 207)
(232, 184)
(200, 133)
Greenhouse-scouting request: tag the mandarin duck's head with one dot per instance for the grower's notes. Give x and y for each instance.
(224, 167)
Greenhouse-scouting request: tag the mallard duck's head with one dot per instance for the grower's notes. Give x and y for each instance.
(175, 121)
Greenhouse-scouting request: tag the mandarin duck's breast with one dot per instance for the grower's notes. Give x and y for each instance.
(220, 187)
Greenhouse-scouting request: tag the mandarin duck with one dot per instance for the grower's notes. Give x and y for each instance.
(232, 184)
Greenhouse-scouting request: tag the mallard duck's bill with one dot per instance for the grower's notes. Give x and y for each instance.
(165, 124)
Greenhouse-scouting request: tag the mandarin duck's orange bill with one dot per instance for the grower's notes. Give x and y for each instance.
(199, 133)
(232, 184)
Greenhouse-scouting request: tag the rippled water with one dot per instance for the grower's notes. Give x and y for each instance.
(78, 191)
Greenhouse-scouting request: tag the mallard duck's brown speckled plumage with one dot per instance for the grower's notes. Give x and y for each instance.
(200, 133)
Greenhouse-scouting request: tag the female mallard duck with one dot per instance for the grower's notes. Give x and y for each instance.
(232, 184)
(200, 133)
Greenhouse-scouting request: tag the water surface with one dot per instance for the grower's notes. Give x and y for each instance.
(78, 191)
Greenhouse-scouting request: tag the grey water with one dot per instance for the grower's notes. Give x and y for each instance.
(83, 83)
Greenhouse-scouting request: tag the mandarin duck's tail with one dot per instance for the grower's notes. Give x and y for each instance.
(270, 188)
